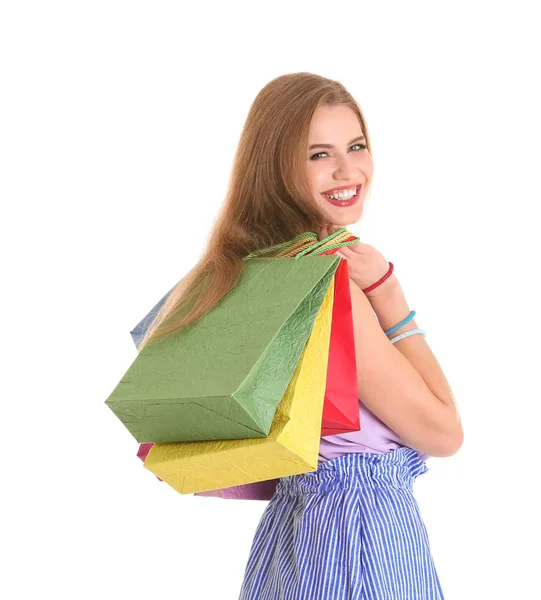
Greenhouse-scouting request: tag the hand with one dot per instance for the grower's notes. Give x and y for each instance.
(365, 264)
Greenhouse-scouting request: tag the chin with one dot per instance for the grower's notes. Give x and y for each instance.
(343, 217)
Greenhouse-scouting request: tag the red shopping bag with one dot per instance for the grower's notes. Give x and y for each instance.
(341, 407)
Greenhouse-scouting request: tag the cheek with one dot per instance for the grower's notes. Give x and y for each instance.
(317, 175)
(367, 165)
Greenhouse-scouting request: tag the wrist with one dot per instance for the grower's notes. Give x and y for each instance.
(391, 307)
(389, 286)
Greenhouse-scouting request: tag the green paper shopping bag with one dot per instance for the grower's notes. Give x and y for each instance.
(224, 376)
(292, 446)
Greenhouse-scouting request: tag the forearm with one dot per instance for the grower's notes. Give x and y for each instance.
(391, 378)
(391, 307)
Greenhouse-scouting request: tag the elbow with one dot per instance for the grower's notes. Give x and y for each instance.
(448, 444)
(449, 436)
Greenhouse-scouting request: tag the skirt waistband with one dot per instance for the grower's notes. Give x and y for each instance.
(398, 468)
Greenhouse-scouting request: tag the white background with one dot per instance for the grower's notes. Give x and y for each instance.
(118, 126)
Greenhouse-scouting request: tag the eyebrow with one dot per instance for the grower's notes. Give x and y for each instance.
(357, 139)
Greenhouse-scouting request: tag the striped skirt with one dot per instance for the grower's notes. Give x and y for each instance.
(350, 530)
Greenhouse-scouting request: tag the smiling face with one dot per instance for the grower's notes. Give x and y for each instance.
(338, 163)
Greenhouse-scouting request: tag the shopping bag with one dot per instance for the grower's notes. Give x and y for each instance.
(292, 446)
(341, 412)
(138, 332)
(260, 490)
(341, 408)
(224, 376)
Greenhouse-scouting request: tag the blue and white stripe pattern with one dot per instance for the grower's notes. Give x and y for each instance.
(351, 530)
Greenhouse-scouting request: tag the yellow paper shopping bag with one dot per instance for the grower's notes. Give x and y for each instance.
(292, 446)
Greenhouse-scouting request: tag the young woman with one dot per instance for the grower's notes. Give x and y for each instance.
(352, 529)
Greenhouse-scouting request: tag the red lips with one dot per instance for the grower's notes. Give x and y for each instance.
(344, 203)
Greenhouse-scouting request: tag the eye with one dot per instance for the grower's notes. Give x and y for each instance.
(360, 146)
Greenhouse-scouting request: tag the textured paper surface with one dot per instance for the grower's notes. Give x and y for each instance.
(341, 407)
(260, 490)
(292, 446)
(224, 376)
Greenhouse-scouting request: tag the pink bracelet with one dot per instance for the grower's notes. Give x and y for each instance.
(379, 282)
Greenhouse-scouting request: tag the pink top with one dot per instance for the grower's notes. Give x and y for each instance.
(374, 437)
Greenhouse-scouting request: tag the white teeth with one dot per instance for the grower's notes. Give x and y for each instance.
(345, 195)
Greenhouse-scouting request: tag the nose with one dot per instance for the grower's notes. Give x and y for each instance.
(344, 169)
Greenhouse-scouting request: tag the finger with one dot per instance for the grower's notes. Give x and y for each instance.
(356, 248)
(346, 252)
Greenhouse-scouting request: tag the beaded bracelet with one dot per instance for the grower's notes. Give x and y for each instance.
(406, 334)
(380, 281)
(404, 321)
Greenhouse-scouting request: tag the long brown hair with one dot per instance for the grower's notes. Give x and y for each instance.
(269, 198)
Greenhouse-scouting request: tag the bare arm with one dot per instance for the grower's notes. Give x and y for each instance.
(402, 383)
